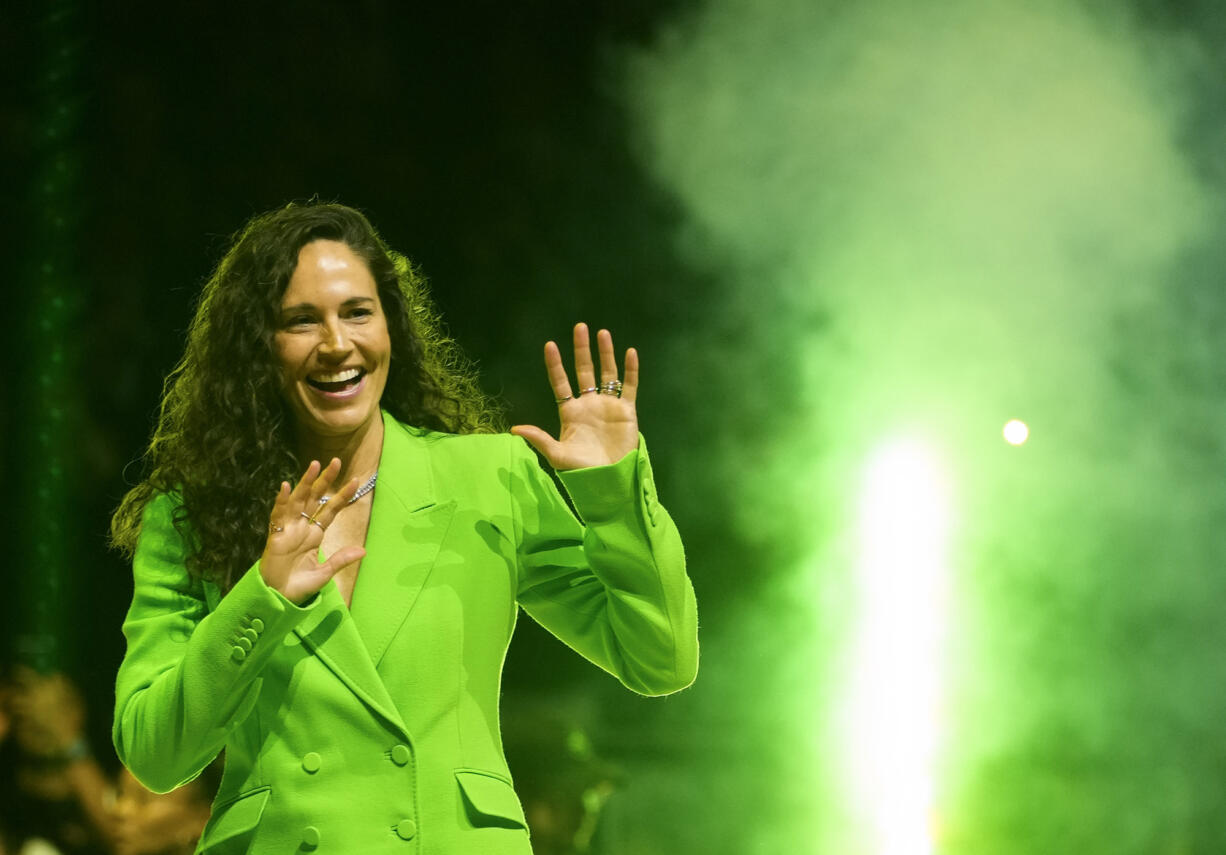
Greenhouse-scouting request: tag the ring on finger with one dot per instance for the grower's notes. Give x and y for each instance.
(563, 400)
(311, 520)
(611, 387)
(590, 389)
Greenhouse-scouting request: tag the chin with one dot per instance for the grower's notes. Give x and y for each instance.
(336, 424)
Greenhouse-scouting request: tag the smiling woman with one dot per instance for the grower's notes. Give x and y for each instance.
(332, 343)
(340, 631)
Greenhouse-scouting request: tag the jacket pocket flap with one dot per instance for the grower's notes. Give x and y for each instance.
(235, 818)
(489, 799)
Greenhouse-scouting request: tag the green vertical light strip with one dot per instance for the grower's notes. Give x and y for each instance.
(51, 432)
(894, 697)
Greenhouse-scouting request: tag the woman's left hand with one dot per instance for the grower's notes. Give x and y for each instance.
(597, 428)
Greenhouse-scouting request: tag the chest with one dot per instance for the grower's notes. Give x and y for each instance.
(348, 529)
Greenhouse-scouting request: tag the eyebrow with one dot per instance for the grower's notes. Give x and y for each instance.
(308, 307)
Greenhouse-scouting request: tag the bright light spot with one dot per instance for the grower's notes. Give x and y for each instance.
(894, 698)
(1016, 432)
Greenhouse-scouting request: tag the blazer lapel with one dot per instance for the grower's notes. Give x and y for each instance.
(407, 528)
(329, 633)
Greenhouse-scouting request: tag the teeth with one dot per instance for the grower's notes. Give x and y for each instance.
(340, 377)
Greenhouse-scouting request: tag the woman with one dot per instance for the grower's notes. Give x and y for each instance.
(340, 633)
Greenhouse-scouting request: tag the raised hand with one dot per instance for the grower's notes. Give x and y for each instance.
(597, 427)
(296, 529)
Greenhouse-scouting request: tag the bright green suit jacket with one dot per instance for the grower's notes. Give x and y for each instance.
(374, 728)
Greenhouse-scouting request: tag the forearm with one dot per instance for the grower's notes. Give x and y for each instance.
(620, 596)
(185, 683)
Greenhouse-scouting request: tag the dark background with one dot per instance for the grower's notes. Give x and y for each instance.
(489, 142)
(484, 140)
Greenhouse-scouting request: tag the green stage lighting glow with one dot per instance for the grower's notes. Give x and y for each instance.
(1016, 432)
(894, 698)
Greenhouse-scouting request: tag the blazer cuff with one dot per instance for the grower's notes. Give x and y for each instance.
(254, 619)
(603, 493)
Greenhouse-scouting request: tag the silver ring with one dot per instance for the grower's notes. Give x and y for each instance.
(311, 520)
(323, 500)
(589, 389)
(611, 387)
(563, 400)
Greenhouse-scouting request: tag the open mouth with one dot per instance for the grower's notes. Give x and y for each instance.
(337, 383)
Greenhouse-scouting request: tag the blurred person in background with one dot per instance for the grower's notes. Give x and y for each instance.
(148, 823)
(562, 782)
(51, 788)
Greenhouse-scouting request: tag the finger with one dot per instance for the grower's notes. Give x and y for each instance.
(538, 439)
(630, 383)
(337, 560)
(319, 488)
(608, 358)
(280, 509)
(557, 372)
(585, 372)
(303, 488)
(325, 511)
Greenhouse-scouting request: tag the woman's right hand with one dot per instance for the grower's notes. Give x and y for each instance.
(296, 530)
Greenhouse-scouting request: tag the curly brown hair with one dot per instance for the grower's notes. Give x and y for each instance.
(223, 444)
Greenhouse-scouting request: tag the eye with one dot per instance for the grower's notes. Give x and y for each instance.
(298, 321)
(362, 312)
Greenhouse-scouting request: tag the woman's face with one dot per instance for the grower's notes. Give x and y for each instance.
(332, 342)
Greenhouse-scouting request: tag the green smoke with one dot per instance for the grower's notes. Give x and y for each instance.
(928, 219)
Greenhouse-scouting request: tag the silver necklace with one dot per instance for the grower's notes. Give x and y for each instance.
(365, 488)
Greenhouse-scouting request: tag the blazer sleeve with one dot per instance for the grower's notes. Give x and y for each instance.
(612, 585)
(188, 677)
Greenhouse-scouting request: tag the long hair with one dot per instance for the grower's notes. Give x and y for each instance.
(223, 441)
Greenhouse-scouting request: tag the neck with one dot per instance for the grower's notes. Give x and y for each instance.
(358, 452)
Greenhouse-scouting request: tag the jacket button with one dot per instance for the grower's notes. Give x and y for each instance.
(257, 624)
(251, 634)
(311, 762)
(310, 837)
(239, 654)
(244, 643)
(405, 829)
(400, 755)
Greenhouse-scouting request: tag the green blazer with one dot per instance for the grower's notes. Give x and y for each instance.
(374, 728)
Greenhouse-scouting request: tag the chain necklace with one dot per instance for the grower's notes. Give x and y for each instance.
(365, 488)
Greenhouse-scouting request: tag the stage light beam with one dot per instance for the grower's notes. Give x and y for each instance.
(895, 683)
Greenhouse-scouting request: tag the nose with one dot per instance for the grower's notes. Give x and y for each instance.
(335, 341)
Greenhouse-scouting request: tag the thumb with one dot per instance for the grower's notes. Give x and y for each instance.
(538, 439)
(337, 560)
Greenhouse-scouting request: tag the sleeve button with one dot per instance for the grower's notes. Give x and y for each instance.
(239, 654)
(257, 625)
(245, 643)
